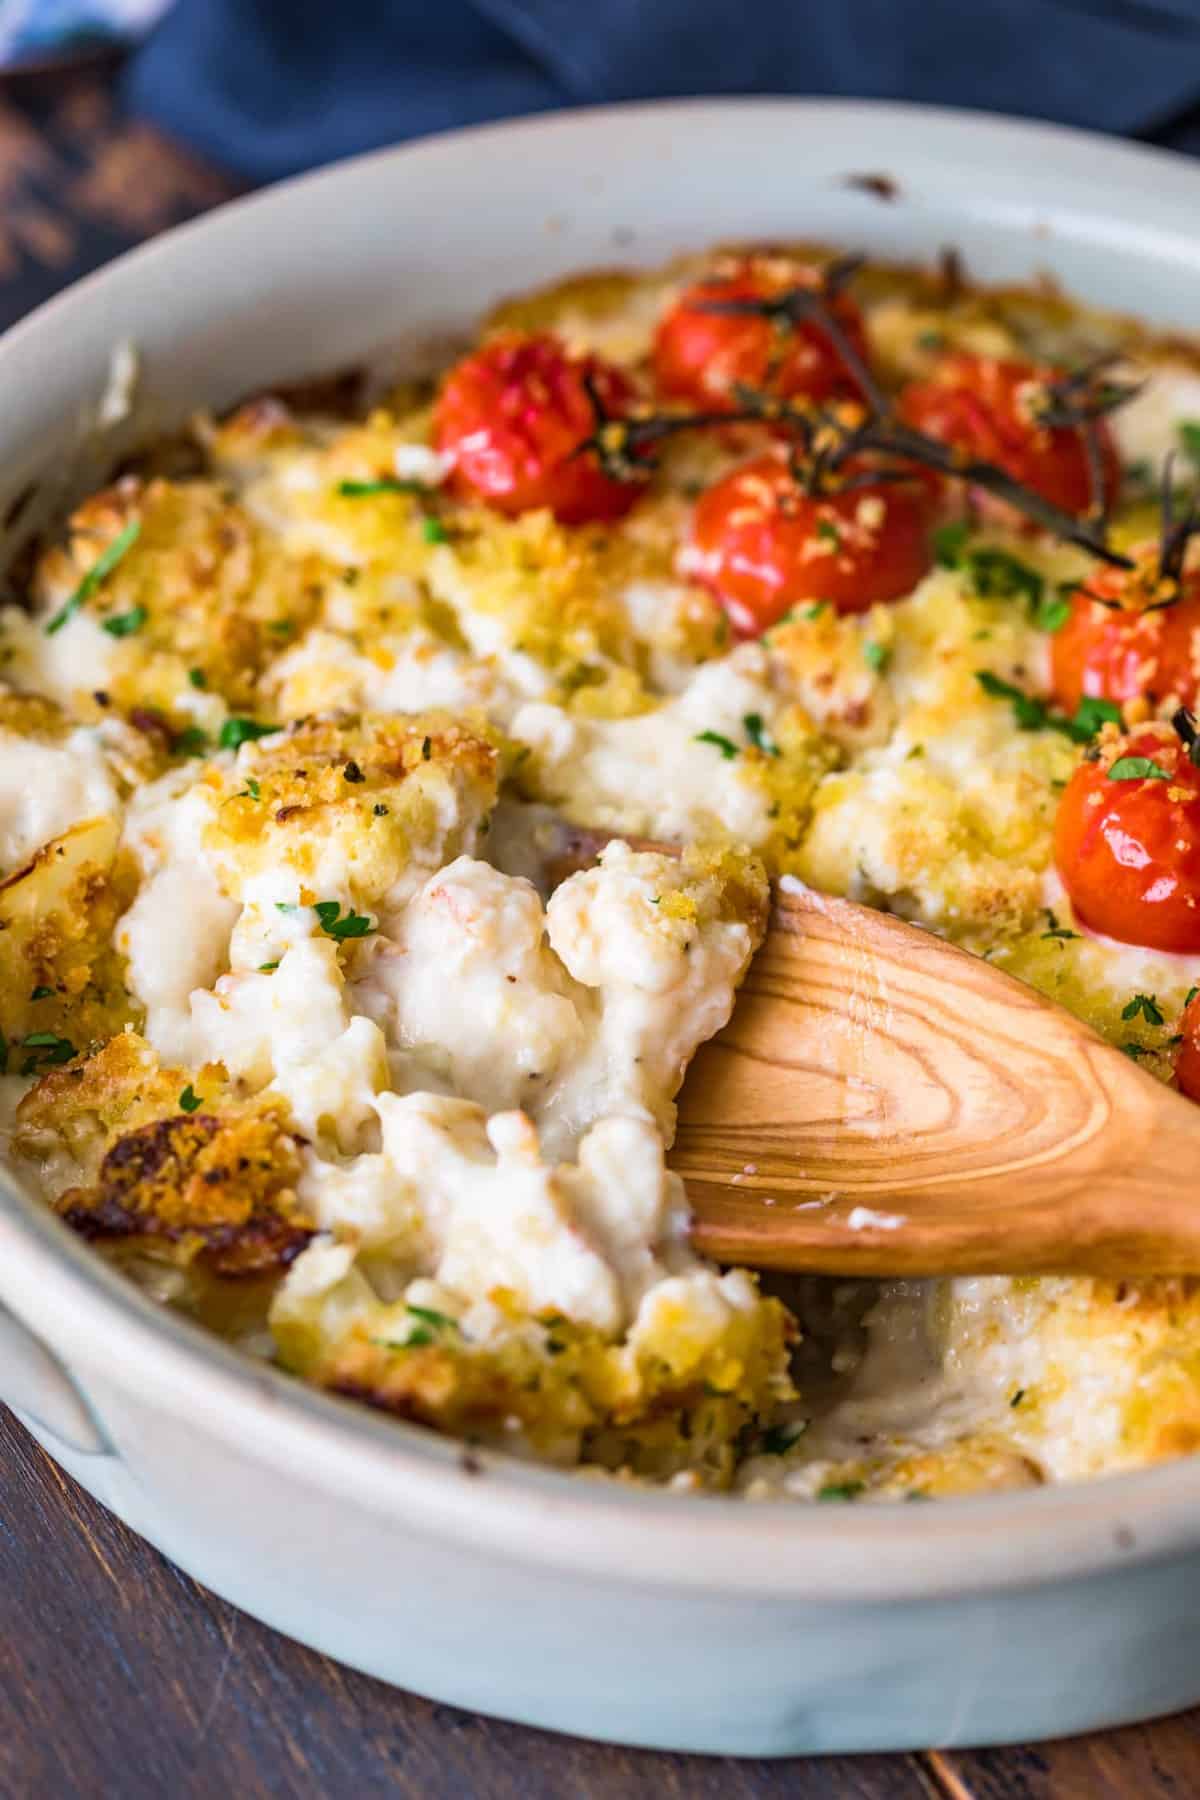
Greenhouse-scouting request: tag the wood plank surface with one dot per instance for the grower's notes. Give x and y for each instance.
(119, 1676)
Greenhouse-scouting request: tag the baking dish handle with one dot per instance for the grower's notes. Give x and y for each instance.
(35, 1383)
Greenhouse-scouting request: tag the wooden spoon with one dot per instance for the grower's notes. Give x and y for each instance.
(882, 1103)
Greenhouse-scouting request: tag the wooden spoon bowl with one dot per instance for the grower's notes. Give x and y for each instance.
(883, 1103)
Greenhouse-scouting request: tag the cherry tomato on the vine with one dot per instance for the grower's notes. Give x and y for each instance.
(761, 543)
(511, 417)
(1129, 649)
(988, 407)
(704, 356)
(1127, 841)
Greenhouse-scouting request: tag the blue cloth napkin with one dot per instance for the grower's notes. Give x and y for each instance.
(267, 87)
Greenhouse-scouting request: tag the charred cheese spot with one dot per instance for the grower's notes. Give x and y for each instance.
(221, 1189)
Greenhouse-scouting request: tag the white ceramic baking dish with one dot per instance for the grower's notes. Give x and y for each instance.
(650, 1617)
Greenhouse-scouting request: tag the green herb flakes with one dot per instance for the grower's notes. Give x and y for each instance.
(781, 1438)
(189, 1100)
(100, 570)
(382, 484)
(354, 925)
(949, 542)
(840, 1490)
(47, 1050)
(121, 625)
(191, 741)
(725, 745)
(236, 732)
(1052, 614)
(1055, 930)
(1188, 432)
(1137, 768)
(198, 678)
(876, 656)
(758, 734)
(1148, 1006)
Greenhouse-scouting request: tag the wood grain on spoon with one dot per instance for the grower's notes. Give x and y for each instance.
(882, 1103)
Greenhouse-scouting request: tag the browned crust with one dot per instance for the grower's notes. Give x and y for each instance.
(220, 1189)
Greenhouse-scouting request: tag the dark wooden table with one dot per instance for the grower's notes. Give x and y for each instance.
(119, 1676)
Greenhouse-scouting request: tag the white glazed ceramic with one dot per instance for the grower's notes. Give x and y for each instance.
(649, 1617)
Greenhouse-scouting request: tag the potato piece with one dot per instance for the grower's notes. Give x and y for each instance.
(60, 976)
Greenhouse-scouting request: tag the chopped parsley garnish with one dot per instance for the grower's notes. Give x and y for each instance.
(876, 656)
(383, 484)
(99, 572)
(191, 741)
(1032, 714)
(379, 810)
(995, 575)
(121, 625)
(1148, 1006)
(949, 542)
(266, 968)
(759, 736)
(433, 531)
(426, 749)
(1029, 712)
(1188, 431)
(1092, 713)
(282, 628)
(1053, 614)
(1017, 1397)
(439, 1320)
(46, 1049)
(840, 1490)
(42, 993)
(251, 791)
(198, 678)
(1135, 1050)
(236, 732)
(828, 532)
(810, 612)
(352, 772)
(354, 925)
(725, 745)
(780, 1438)
(1137, 768)
(1190, 995)
(189, 1100)
(1056, 930)
(425, 1331)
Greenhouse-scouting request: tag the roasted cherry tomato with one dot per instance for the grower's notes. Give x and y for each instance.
(1187, 1060)
(510, 419)
(1129, 648)
(988, 408)
(761, 543)
(703, 356)
(1127, 841)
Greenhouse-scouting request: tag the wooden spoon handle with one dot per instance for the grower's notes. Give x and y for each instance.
(883, 1103)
